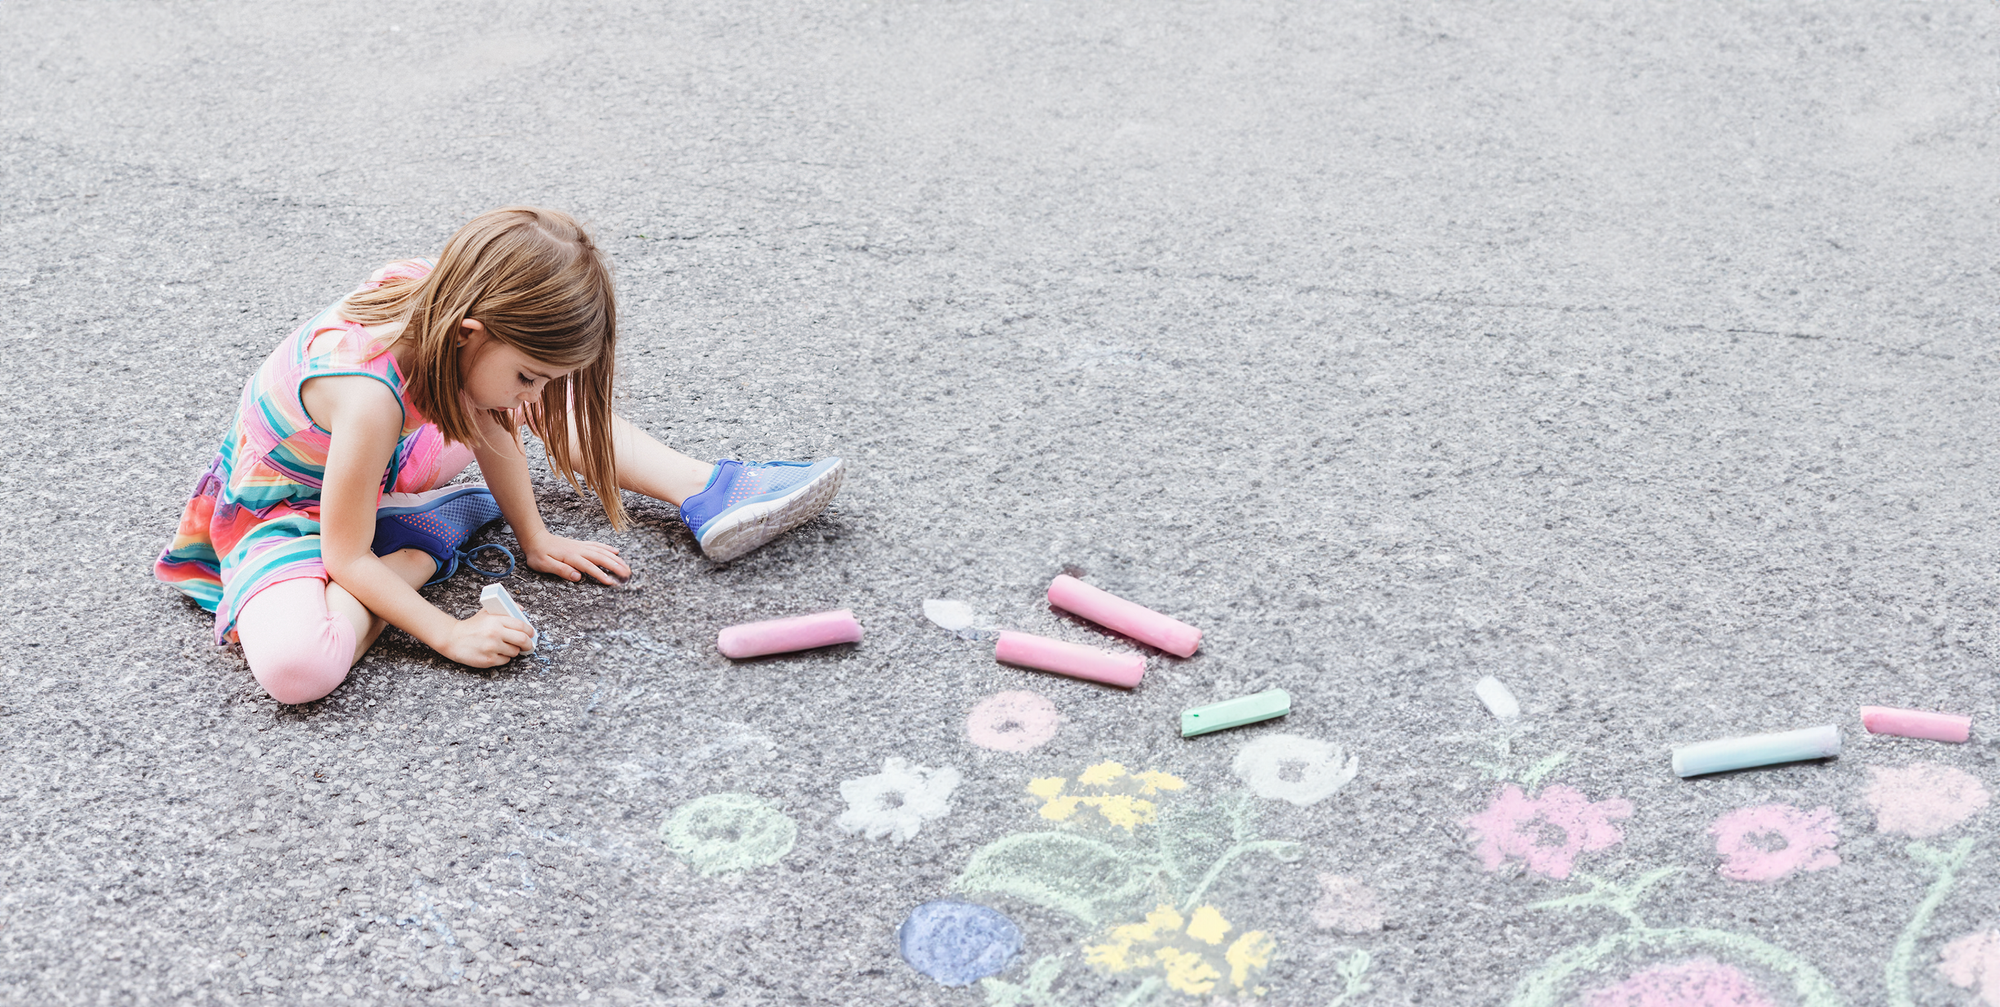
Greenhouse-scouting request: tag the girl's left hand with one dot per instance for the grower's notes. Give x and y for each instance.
(570, 559)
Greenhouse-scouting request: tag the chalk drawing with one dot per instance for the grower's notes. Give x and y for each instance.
(1188, 950)
(1347, 905)
(1548, 985)
(896, 802)
(1772, 841)
(1012, 722)
(1902, 957)
(1698, 982)
(958, 943)
(1109, 791)
(1351, 970)
(1289, 767)
(1973, 962)
(1508, 765)
(1547, 832)
(1100, 881)
(1923, 799)
(729, 832)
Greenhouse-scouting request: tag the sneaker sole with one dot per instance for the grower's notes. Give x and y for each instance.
(755, 524)
(429, 502)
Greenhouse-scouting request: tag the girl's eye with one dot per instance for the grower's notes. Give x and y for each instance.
(526, 380)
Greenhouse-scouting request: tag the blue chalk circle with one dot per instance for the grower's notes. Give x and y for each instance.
(958, 943)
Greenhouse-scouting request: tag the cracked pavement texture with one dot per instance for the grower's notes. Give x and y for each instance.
(1641, 356)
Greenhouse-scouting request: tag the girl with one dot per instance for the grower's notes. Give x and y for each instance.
(327, 507)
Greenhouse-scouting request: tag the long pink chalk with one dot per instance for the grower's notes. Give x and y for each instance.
(1112, 612)
(778, 636)
(1915, 723)
(1072, 659)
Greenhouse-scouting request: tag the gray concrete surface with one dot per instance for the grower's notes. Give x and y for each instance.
(1639, 355)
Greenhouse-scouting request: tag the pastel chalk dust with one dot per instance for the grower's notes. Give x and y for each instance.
(1017, 721)
(1923, 799)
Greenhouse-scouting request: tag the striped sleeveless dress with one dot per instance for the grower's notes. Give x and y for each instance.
(253, 518)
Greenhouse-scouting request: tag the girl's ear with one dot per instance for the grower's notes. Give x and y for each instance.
(468, 330)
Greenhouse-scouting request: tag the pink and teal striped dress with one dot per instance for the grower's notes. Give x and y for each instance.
(253, 519)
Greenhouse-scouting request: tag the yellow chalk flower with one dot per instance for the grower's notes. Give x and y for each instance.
(1187, 950)
(1121, 798)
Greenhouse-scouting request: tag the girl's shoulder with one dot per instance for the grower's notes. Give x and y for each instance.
(401, 269)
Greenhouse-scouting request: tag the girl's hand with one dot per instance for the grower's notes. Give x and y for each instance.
(570, 559)
(486, 640)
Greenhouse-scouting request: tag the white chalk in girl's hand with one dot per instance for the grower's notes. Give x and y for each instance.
(495, 599)
(1498, 698)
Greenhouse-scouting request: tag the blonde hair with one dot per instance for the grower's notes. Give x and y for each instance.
(535, 280)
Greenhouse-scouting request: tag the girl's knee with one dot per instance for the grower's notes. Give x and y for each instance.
(298, 675)
(298, 650)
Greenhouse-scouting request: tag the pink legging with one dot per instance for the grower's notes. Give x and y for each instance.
(298, 649)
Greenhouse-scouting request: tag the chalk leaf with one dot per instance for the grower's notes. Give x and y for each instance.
(1083, 877)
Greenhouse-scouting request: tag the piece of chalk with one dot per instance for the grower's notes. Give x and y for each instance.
(1756, 750)
(495, 599)
(1915, 724)
(1072, 659)
(1498, 698)
(1115, 613)
(1235, 712)
(779, 636)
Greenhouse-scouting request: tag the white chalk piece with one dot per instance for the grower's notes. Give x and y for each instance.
(495, 599)
(956, 616)
(1498, 698)
(1726, 754)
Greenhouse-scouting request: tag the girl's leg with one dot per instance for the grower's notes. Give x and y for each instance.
(302, 636)
(647, 466)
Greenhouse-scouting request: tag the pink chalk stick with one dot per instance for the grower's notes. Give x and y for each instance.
(1915, 723)
(1072, 659)
(1115, 613)
(778, 636)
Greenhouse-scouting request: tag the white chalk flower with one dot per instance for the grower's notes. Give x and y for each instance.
(897, 801)
(1289, 767)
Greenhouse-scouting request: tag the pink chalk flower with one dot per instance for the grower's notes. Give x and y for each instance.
(1973, 962)
(1770, 841)
(1698, 982)
(1923, 799)
(1012, 722)
(1547, 832)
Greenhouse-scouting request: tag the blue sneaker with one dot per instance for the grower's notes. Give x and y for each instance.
(746, 505)
(438, 522)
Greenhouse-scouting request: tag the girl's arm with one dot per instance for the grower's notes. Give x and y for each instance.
(365, 420)
(504, 463)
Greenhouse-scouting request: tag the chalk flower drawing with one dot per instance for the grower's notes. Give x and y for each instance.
(1288, 767)
(1012, 722)
(1973, 962)
(1923, 799)
(1699, 982)
(1347, 905)
(896, 802)
(958, 943)
(1115, 794)
(1546, 832)
(1770, 841)
(729, 832)
(1188, 951)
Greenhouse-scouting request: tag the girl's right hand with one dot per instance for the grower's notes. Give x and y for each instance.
(486, 640)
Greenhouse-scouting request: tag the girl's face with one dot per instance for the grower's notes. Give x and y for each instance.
(494, 375)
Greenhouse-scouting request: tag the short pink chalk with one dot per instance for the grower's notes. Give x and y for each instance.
(1915, 724)
(1112, 612)
(1072, 659)
(778, 636)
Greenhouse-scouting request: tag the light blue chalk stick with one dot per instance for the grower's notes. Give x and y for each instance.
(1235, 712)
(1756, 750)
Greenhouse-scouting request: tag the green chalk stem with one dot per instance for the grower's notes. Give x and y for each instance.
(1236, 712)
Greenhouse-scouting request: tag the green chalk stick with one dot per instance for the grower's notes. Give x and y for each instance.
(1235, 712)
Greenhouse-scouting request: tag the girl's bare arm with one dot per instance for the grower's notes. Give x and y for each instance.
(504, 463)
(366, 421)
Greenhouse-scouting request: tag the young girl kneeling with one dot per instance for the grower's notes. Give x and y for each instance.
(327, 506)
